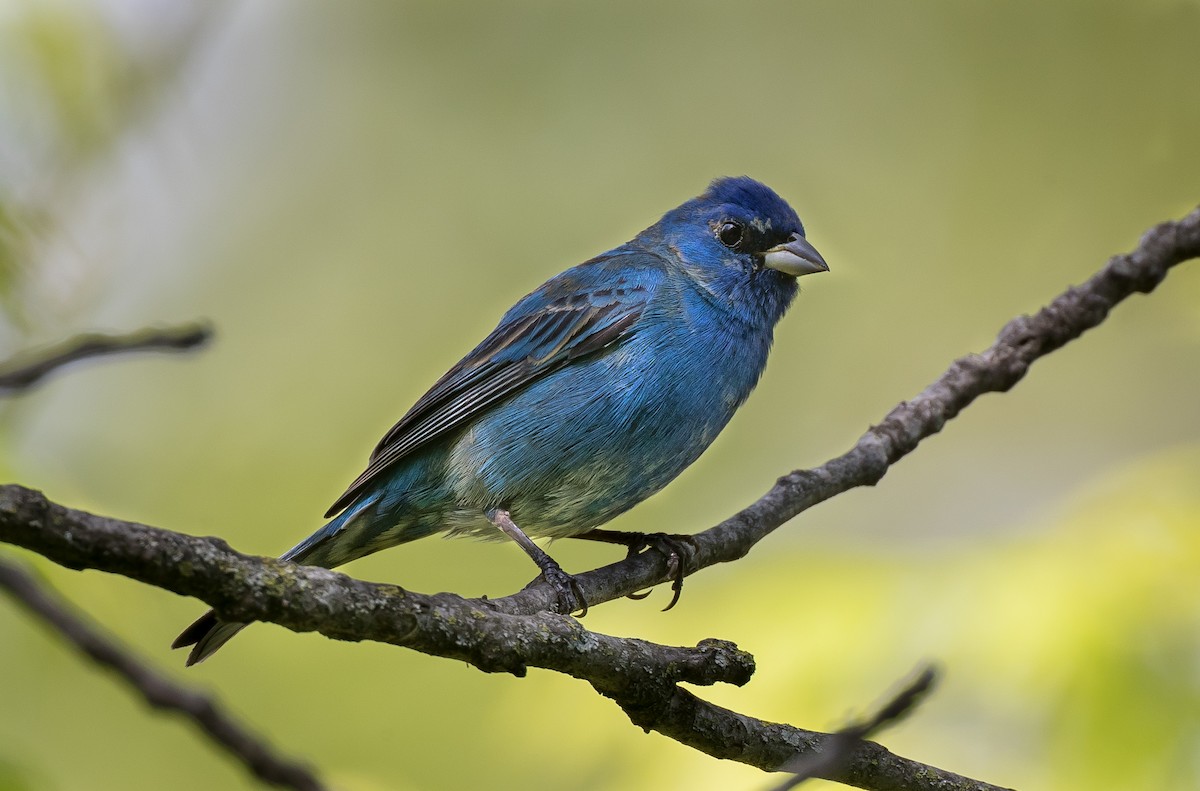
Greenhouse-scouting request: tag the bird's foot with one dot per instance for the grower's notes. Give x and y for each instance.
(570, 595)
(677, 548)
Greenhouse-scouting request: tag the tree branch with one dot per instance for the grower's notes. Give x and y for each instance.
(29, 369)
(156, 689)
(641, 677)
(516, 632)
(307, 598)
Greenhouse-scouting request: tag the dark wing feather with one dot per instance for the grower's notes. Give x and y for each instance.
(518, 352)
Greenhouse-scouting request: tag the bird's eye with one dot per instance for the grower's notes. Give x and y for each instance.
(730, 234)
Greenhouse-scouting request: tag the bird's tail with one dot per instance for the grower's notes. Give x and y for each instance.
(323, 548)
(206, 635)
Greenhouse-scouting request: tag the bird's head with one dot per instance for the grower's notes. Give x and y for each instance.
(738, 237)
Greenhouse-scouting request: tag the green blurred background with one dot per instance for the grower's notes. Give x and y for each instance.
(354, 192)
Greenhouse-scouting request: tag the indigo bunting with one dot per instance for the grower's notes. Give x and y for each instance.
(592, 394)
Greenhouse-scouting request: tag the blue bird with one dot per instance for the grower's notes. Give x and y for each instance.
(593, 393)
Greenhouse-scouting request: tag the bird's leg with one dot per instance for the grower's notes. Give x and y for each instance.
(570, 596)
(676, 548)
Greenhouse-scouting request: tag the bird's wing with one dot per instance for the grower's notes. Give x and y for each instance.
(539, 336)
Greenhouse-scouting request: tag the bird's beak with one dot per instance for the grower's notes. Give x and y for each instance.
(795, 257)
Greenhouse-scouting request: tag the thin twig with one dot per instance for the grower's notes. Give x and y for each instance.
(30, 368)
(156, 689)
(839, 749)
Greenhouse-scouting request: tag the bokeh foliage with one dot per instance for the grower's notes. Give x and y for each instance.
(354, 193)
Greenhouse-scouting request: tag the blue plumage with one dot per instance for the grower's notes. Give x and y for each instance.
(593, 392)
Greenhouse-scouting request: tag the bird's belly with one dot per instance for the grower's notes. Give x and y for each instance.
(573, 451)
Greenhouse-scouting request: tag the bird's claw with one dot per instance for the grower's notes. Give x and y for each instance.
(676, 548)
(566, 588)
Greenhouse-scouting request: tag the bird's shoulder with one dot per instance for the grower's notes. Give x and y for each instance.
(623, 274)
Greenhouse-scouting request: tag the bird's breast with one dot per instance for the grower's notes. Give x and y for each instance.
(593, 439)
